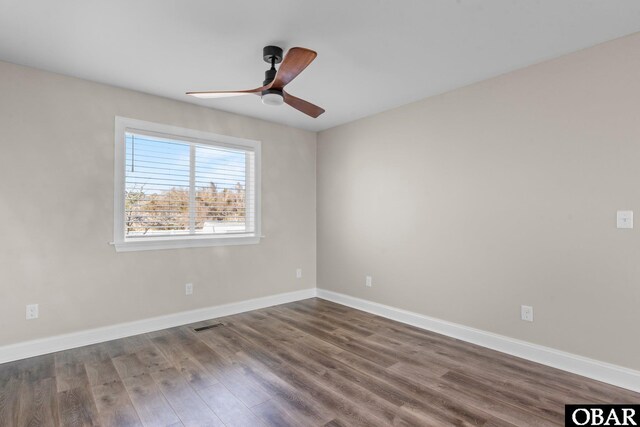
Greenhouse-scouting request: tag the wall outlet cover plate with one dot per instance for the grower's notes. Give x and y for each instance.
(624, 219)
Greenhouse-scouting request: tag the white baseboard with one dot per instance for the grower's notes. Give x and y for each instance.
(38, 347)
(601, 371)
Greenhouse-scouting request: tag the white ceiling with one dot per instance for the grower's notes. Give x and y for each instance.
(372, 54)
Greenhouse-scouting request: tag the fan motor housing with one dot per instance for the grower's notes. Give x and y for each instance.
(269, 75)
(276, 91)
(272, 53)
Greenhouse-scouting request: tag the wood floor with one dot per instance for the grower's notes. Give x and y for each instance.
(309, 363)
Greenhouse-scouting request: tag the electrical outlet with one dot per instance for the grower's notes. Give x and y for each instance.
(624, 219)
(188, 289)
(32, 311)
(368, 282)
(299, 273)
(526, 313)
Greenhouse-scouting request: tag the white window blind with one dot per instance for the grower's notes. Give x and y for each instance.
(181, 188)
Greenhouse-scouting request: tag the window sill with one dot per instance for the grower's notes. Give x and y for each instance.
(178, 243)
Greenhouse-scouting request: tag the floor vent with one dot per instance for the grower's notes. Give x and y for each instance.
(204, 328)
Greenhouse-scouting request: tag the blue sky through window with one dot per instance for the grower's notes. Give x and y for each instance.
(155, 165)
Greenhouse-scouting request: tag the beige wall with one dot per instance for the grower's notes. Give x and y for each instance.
(466, 205)
(56, 211)
(462, 206)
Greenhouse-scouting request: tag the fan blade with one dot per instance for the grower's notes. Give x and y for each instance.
(301, 105)
(227, 93)
(294, 62)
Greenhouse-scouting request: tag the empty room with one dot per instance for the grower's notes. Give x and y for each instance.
(319, 213)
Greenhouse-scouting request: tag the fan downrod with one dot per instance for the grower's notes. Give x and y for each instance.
(272, 55)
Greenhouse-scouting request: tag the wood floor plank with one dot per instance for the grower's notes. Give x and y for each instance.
(227, 407)
(354, 347)
(507, 412)
(101, 372)
(114, 405)
(186, 403)
(38, 403)
(492, 359)
(349, 380)
(149, 403)
(69, 372)
(288, 334)
(328, 392)
(195, 374)
(76, 407)
(129, 365)
(532, 402)
(286, 398)
(37, 368)
(491, 371)
(331, 319)
(152, 358)
(225, 370)
(9, 399)
(70, 365)
(9, 370)
(307, 363)
(272, 415)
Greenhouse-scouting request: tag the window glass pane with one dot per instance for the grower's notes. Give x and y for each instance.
(220, 187)
(157, 175)
(175, 187)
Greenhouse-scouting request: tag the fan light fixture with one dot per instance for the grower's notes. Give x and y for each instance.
(273, 99)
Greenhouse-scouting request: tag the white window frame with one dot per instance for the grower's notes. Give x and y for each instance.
(124, 244)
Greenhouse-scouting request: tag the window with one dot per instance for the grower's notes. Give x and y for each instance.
(180, 188)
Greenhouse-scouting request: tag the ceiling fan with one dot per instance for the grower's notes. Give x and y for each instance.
(272, 89)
